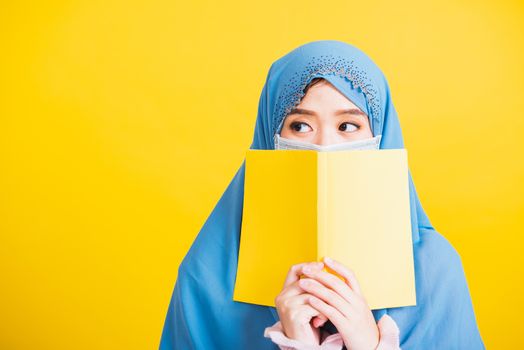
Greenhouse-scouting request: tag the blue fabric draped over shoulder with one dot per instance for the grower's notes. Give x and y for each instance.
(202, 313)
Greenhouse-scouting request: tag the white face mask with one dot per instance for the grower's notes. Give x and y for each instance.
(370, 143)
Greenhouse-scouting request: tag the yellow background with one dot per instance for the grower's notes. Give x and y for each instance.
(122, 122)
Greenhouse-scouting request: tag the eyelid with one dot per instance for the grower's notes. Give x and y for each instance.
(298, 122)
(356, 125)
(294, 123)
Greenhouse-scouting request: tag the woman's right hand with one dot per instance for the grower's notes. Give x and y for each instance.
(294, 311)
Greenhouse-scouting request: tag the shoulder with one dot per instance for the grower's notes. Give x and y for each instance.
(433, 245)
(437, 261)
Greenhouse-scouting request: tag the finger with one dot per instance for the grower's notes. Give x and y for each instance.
(331, 281)
(294, 296)
(288, 292)
(317, 322)
(329, 296)
(338, 320)
(300, 307)
(307, 312)
(292, 290)
(293, 301)
(345, 272)
(295, 271)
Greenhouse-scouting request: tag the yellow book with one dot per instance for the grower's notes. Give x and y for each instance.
(353, 206)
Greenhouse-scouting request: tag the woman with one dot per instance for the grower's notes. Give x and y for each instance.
(327, 118)
(202, 313)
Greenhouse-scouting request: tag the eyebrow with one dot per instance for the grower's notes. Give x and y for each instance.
(352, 111)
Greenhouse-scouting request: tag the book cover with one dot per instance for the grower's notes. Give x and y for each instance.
(353, 206)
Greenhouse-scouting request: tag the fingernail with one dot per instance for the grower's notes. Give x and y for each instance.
(328, 259)
(307, 270)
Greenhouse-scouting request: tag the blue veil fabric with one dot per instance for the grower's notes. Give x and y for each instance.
(202, 313)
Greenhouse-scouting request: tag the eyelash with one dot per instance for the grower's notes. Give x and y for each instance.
(294, 124)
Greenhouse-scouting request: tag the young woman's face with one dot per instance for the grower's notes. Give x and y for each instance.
(324, 117)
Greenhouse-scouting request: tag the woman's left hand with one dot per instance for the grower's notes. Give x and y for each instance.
(343, 304)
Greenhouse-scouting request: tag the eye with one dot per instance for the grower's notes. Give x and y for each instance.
(297, 126)
(350, 127)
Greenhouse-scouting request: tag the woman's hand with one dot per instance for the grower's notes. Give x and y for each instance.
(343, 303)
(293, 309)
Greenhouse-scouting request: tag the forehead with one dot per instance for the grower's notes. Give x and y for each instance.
(326, 95)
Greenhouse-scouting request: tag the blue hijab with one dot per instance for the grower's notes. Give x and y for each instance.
(202, 313)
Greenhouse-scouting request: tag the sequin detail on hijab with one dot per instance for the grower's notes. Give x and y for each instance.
(293, 90)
